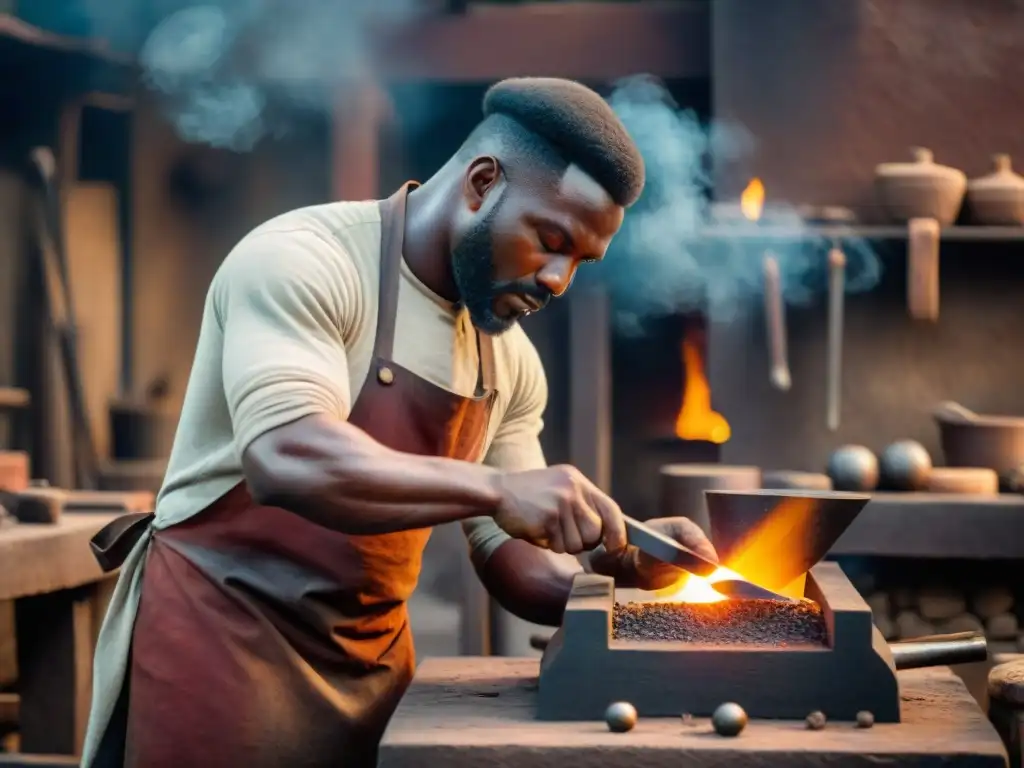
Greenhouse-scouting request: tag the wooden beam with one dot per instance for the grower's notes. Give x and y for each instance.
(590, 388)
(360, 111)
(594, 41)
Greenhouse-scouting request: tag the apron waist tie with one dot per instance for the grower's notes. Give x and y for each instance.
(116, 539)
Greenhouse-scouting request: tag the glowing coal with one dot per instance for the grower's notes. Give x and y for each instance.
(773, 623)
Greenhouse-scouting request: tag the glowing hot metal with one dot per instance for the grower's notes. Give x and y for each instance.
(724, 582)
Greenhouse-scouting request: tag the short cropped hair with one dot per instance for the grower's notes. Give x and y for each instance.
(555, 121)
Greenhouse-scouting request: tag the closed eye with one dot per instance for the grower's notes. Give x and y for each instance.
(554, 239)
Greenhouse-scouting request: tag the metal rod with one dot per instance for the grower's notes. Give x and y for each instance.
(940, 650)
(775, 320)
(836, 290)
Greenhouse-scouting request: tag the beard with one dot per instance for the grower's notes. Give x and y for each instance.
(473, 272)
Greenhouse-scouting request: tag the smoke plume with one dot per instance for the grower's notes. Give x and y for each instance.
(658, 264)
(231, 72)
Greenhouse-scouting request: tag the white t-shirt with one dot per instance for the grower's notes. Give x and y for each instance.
(288, 331)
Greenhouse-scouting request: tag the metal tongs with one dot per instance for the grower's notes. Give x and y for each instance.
(661, 547)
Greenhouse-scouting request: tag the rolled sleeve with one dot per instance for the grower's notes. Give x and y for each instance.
(516, 446)
(281, 300)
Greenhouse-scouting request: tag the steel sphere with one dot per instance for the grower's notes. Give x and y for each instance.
(729, 719)
(853, 468)
(905, 466)
(620, 717)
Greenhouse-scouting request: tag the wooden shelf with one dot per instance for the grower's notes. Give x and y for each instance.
(13, 29)
(932, 525)
(42, 558)
(856, 232)
(53, 67)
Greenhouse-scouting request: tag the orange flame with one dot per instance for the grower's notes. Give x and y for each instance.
(696, 589)
(759, 557)
(752, 200)
(696, 420)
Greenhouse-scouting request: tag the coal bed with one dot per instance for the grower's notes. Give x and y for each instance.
(775, 623)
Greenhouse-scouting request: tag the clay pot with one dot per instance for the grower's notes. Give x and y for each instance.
(998, 198)
(921, 189)
(969, 439)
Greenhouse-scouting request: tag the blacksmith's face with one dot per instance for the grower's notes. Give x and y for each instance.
(523, 240)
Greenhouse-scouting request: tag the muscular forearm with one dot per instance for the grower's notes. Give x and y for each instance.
(339, 477)
(528, 581)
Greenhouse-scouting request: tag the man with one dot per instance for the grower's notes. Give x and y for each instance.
(356, 363)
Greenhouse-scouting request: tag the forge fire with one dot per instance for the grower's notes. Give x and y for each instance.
(696, 419)
(774, 623)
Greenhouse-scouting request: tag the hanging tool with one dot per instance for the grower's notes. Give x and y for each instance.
(775, 320)
(661, 547)
(60, 309)
(923, 269)
(836, 292)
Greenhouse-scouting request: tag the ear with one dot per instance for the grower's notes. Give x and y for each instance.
(481, 177)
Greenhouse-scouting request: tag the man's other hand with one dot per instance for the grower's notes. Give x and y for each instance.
(634, 570)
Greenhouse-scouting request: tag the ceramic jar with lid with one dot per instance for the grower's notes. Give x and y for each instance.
(920, 189)
(998, 198)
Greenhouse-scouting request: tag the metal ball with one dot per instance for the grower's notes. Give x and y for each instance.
(853, 468)
(620, 717)
(905, 466)
(865, 719)
(816, 721)
(729, 719)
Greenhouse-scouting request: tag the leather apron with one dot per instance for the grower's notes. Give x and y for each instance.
(262, 639)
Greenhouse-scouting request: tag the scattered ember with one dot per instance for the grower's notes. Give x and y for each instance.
(816, 721)
(865, 719)
(775, 623)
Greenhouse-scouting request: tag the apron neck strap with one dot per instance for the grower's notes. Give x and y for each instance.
(485, 347)
(392, 229)
(392, 222)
